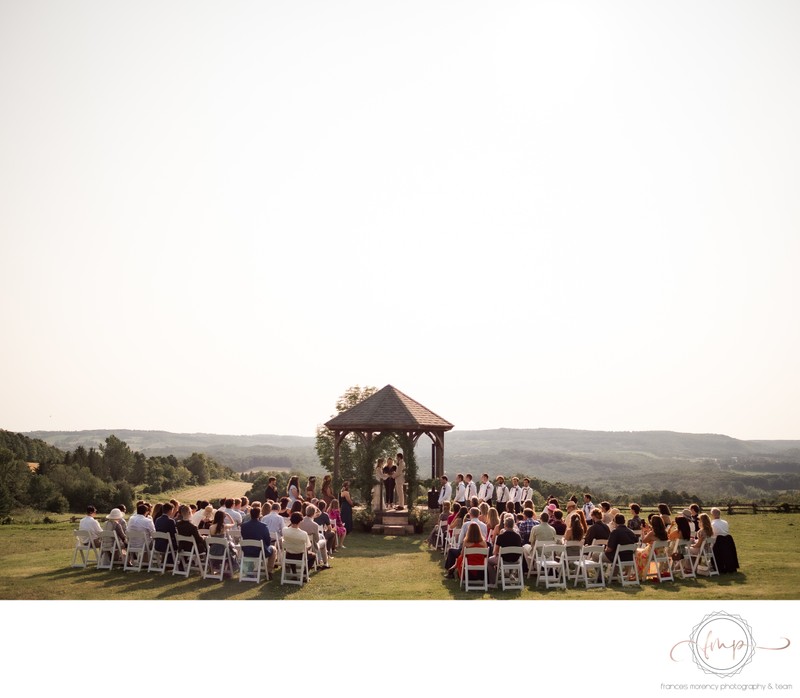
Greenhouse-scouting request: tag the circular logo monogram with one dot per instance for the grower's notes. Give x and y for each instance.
(722, 644)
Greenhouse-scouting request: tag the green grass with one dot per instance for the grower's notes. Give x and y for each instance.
(36, 559)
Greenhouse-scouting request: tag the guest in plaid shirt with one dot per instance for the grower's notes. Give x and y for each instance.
(526, 525)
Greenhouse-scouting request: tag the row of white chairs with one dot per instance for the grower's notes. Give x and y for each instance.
(142, 553)
(556, 564)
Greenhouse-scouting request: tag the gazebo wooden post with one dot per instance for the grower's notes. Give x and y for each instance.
(440, 455)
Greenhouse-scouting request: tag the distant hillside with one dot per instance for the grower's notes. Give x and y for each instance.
(616, 461)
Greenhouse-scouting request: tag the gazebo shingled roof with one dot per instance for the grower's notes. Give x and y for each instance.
(389, 409)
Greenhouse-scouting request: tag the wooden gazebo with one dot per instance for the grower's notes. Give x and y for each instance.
(390, 411)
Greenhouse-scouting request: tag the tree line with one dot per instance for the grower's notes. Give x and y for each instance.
(60, 481)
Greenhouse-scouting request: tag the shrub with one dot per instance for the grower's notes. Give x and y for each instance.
(57, 504)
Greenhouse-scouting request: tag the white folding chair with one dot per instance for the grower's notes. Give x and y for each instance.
(590, 561)
(552, 567)
(110, 547)
(510, 573)
(298, 574)
(441, 534)
(573, 554)
(250, 567)
(159, 561)
(704, 561)
(222, 558)
(658, 558)
(482, 569)
(683, 565)
(138, 551)
(534, 557)
(451, 540)
(84, 548)
(621, 570)
(188, 557)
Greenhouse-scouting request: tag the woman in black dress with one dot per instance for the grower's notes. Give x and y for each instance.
(390, 470)
(346, 506)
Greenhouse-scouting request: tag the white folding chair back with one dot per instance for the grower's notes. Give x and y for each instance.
(110, 547)
(138, 551)
(441, 534)
(481, 569)
(250, 568)
(658, 558)
(219, 558)
(535, 556)
(573, 554)
(622, 570)
(187, 558)
(160, 561)
(704, 562)
(552, 567)
(682, 566)
(451, 540)
(510, 573)
(235, 534)
(84, 548)
(591, 561)
(294, 571)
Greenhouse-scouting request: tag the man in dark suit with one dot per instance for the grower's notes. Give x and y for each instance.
(166, 524)
(255, 530)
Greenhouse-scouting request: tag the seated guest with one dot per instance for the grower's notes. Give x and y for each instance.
(284, 510)
(185, 527)
(207, 517)
(608, 517)
(666, 514)
(274, 522)
(442, 522)
(705, 532)
(337, 522)
(89, 523)
(558, 522)
(470, 520)
(122, 521)
(230, 510)
(317, 541)
(719, 525)
(695, 509)
(324, 521)
(509, 538)
(543, 532)
(219, 529)
(575, 531)
(295, 540)
(474, 538)
(526, 525)
(114, 523)
(635, 522)
(724, 547)
(598, 530)
(621, 535)
(657, 532)
(681, 532)
(572, 507)
(166, 524)
(492, 525)
(255, 530)
(200, 512)
(687, 514)
(140, 521)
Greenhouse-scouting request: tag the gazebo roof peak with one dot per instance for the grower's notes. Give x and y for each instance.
(389, 408)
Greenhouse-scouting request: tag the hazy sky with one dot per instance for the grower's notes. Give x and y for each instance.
(218, 216)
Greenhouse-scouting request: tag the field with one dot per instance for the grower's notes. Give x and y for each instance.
(213, 490)
(36, 565)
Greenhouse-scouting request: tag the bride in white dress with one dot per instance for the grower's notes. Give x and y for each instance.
(377, 489)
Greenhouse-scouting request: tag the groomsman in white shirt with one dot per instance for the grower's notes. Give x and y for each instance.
(446, 493)
(461, 489)
(472, 490)
(515, 492)
(486, 490)
(501, 494)
(526, 491)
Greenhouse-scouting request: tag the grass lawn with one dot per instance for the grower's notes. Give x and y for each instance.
(36, 559)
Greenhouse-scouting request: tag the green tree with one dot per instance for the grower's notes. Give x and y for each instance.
(199, 467)
(117, 458)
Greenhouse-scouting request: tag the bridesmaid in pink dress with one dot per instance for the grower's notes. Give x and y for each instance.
(335, 516)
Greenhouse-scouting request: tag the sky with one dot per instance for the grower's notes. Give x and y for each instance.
(216, 217)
